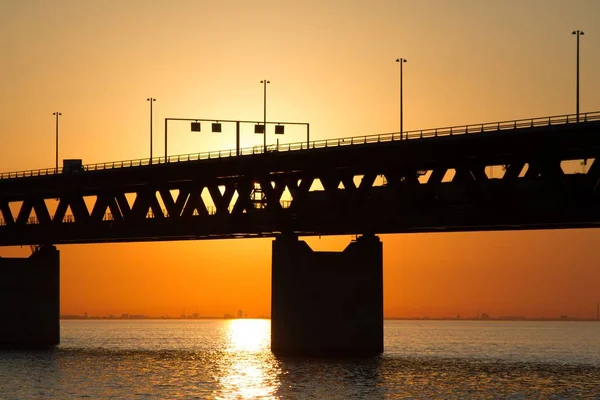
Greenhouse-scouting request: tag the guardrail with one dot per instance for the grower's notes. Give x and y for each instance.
(317, 144)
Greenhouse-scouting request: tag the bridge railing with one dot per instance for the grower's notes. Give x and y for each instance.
(325, 143)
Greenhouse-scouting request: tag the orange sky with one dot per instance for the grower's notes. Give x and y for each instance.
(330, 63)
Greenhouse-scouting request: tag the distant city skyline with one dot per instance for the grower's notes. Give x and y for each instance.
(478, 315)
(423, 318)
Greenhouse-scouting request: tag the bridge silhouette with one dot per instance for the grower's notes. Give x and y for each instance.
(384, 183)
(505, 175)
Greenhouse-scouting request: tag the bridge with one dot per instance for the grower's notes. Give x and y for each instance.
(493, 176)
(369, 184)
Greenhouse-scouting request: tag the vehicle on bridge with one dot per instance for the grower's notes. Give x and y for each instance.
(72, 166)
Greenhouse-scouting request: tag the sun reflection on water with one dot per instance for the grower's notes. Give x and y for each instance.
(248, 368)
(249, 335)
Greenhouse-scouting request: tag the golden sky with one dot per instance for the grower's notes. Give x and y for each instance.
(330, 63)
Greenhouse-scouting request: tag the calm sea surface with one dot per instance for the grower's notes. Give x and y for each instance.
(231, 359)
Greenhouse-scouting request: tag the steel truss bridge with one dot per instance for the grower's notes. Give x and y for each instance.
(496, 176)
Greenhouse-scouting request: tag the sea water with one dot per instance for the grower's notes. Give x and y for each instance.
(230, 359)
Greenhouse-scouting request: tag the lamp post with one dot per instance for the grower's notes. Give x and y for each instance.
(264, 82)
(151, 100)
(401, 61)
(57, 114)
(578, 33)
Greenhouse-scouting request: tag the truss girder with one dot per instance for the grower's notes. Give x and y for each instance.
(221, 201)
(6, 212)
(513, 169)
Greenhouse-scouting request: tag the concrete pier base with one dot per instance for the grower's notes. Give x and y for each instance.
(327, 302)
(30, 300)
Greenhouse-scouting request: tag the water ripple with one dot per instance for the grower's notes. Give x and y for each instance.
(219, 360)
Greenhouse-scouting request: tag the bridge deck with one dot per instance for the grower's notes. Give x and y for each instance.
(371, 184)
(329, 143)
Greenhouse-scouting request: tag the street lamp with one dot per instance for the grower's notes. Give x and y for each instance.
(578, 33)
(57, 114)
(264, 82)
(151, 100)
(401, 61)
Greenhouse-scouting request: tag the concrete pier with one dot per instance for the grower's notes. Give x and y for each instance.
(30, 300)
(327, 302)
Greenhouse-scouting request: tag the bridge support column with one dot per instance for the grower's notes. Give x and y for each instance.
(30, 300)
(327, 302)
